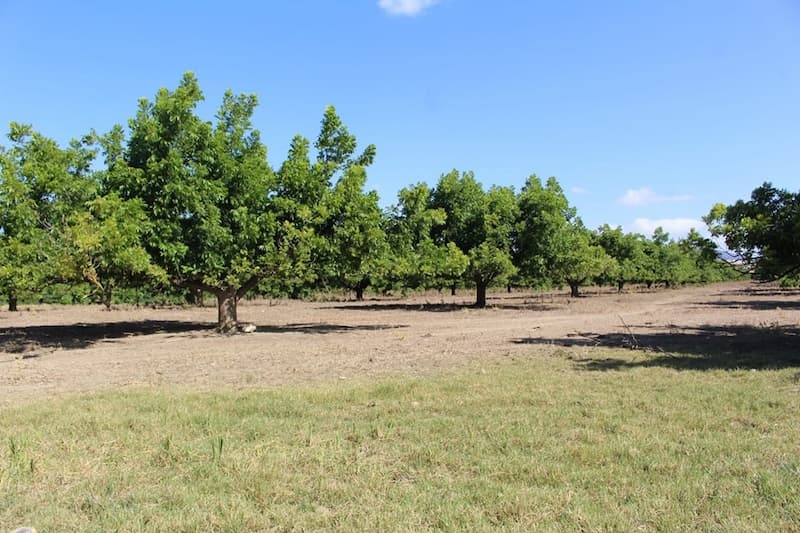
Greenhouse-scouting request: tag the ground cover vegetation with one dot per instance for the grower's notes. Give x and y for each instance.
(534, 443)
(178, 204)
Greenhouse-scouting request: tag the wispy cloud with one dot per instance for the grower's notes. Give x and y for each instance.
(408, 8)
(676, 227)
(646, 196)
(579, 190)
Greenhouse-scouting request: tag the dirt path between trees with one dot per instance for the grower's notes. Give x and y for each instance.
(49, 350)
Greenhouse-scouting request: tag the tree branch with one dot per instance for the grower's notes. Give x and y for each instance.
(248, 285)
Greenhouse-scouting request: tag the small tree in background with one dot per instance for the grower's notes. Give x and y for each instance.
(480, 224)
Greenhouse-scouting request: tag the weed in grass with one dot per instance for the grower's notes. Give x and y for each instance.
(216, 449)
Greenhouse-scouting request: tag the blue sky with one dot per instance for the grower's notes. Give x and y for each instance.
(646, 112)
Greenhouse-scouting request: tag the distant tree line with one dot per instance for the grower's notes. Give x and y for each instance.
(177, 203)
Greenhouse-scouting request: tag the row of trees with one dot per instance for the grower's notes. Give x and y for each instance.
(176, 200)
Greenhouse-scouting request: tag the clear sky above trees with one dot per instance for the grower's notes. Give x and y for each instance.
(647, 112)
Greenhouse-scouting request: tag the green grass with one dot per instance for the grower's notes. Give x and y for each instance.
(535, 443)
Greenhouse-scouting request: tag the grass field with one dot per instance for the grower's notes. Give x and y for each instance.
(531, 443)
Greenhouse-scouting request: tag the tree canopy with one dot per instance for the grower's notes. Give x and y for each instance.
(763, 233)
(174, 200)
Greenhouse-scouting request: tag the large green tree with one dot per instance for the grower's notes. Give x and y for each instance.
(352, 247)
(330, 230)
(204, 188)
(41, 187)
(357, 250)
(763, 232)
(418, 261)
(543, 212)
(480, 224)
(105, 247)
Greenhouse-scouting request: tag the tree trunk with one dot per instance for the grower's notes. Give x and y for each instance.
(12, 301)
(453, 289)
(359, 292)
(226, 311)
(107, 291)
(620, 284)
(574, 288)
(508, 288)
(194, 296)
(480, 301)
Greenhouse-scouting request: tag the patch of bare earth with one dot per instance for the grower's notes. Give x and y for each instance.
(47, 350)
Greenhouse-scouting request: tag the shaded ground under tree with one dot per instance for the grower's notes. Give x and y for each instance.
(703, 347)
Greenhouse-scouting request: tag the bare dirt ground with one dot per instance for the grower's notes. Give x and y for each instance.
(52, 350)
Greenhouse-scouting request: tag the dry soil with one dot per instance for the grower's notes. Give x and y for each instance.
(53, 350)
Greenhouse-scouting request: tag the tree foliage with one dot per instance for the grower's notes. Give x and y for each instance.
(185, 202)
(763, 233)
(41, 186)
(420, 257)
(105, 245)
(203, 188)
(479, 223)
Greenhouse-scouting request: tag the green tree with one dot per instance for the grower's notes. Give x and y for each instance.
(552, 245)
(297, 204)
(106, 245)
(357, 250)
(351, 248)
(702, 253)
(762, 233)
(480, 224)
(204, 188)
(543, 212)
(574, 259)
(628, 251)
(41, 186)
(418, 261)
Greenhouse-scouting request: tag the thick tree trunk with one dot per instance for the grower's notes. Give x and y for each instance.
(620, 284)
(574, 288)
(480, 300)
(453, 289)
(12, 301)
(508, 288)
(226, 311)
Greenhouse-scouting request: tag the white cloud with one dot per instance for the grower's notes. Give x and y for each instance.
(579, 190)
(408, 8)
(676, 227)
(646, 196)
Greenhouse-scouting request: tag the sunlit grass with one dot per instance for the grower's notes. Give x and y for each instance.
(532, 443)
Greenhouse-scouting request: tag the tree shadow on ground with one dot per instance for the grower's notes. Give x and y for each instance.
(440, 307)
(763, 290)
(324, 328)
(706, 347)
(27, 341)
(19, 340)
(756, 305)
